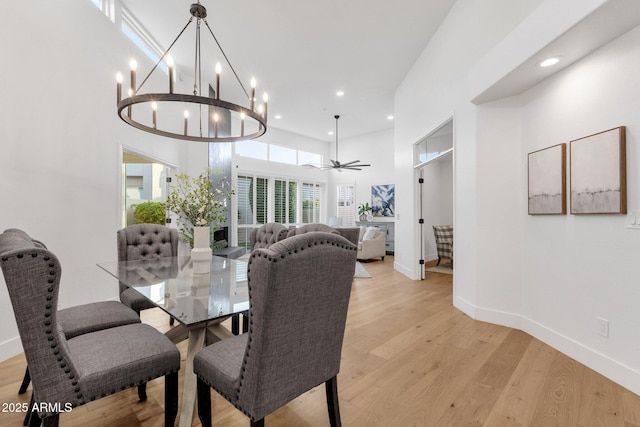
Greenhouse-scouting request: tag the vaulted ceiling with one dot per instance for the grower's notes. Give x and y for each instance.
(303, 53)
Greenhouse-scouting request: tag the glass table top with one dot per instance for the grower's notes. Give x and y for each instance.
(190, 298)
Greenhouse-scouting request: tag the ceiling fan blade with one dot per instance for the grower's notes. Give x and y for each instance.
(350, 163)
(311, 166)
(335, 162)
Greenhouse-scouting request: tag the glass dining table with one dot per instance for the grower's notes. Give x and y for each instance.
(198, 303)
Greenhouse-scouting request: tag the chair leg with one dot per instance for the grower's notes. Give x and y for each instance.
(35, 420)
(142, 392)
(332, 402)
(438, 261)
(52, 421)
(235, 324)
(245, 322)
(30, 413)
(204, 403)
(259, 423)
(171, 321)
(170, 399)
(25, 382)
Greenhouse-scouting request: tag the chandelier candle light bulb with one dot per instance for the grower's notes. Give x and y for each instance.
(154, 107)
(133, 64)
(242, 116)
(218, 71)
(170, 65)
(215, 124)
(119, 79)
(253, 92)
(186, 120)
(265, 98)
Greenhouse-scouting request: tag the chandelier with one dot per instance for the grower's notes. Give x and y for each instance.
(224, 121)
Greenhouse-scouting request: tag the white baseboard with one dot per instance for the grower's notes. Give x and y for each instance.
(406, 271)
(624, 375)
(10, 348)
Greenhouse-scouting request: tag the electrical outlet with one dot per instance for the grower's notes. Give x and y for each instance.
(603, 327)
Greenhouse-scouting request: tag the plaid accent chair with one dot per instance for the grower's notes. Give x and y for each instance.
(444, 241)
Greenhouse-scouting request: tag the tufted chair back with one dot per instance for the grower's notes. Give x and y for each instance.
(299, 292)
(308, 228)
(32, 274)
(145, 241)
(266, 235)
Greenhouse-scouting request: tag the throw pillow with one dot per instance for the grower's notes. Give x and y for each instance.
(362, 228)
(370, 233)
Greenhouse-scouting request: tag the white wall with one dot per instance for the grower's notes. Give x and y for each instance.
(375, 149)
(551, 276)
(580, 267)
(61, 142)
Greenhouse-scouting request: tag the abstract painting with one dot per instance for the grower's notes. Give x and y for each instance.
(548, 181)
(599, 174)
(383, 200)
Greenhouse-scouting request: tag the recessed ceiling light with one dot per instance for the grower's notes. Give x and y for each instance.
(340, 93)
(549, 62)
(330, 133)
(389, 117)
(278, 116)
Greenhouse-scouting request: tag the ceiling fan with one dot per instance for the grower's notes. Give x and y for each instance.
(336, 164)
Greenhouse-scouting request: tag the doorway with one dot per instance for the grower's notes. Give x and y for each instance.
(144, 179)
(433, 165)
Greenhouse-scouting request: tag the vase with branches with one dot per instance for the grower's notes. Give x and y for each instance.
(198, 204)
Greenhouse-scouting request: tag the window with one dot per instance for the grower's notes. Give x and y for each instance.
(254, 149)
(107, 7)
(282, 154)
(253, 205)
(132, 29)
(306, 158)
(310, 203)
(285, 201)
(276, 153)
(346, 204)
(275, 199)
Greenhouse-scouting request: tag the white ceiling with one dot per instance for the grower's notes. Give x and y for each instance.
(303, 52)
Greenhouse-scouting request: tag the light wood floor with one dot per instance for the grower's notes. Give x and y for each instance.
(409, 359)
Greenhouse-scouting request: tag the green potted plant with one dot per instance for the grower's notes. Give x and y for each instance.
(363, 209)
(198, 204)
(150, 213)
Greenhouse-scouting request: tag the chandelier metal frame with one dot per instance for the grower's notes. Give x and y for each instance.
(125, 106)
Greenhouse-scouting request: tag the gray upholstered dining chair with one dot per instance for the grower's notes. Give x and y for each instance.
(299, 292)
(85, 318)
(144, 241)
(71, 372)
(265, 235)
(307, 228)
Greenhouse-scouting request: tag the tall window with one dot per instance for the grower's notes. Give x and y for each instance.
(311, 194)
(253, 205)
(346, 204)
(275, 199)
(285, 201)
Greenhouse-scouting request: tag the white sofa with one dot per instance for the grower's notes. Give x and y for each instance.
(371, 243)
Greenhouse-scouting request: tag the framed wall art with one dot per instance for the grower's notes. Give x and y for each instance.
(599, 173)
(548, 181)
(383, 200)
